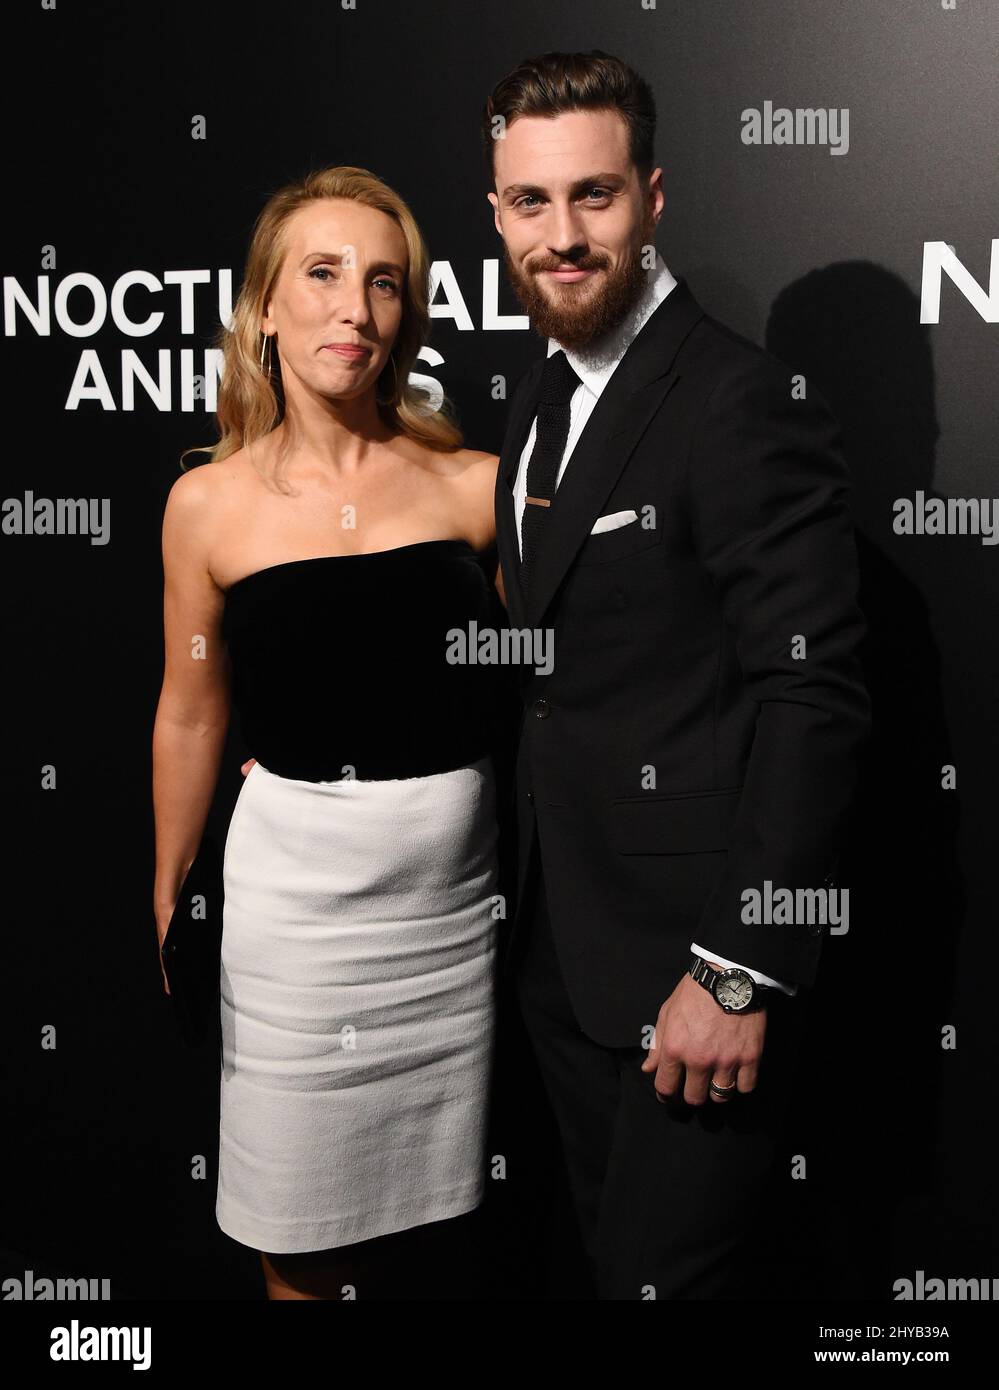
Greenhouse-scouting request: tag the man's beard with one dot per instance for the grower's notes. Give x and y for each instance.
(576, 314)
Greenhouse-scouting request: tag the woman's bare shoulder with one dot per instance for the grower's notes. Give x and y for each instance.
(212, 483)
(479, 458)
(478, 484)
(198, 505)
(459, 464)
(476, 466)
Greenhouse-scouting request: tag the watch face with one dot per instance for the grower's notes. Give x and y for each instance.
(734, 989)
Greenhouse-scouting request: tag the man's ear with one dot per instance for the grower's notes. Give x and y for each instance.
(496, 219)
(658, 196)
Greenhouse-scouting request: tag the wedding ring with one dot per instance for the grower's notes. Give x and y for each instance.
(722, 1091)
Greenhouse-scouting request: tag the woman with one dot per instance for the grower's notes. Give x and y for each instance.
(313, 569)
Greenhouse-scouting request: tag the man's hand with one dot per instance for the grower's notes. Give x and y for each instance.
(696, 1034)
(245, 767)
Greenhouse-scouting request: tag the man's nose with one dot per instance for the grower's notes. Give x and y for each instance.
(565, 232)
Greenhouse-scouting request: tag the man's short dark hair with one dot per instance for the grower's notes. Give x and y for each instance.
(556, 82)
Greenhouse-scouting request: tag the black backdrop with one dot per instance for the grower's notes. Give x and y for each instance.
(821, 256)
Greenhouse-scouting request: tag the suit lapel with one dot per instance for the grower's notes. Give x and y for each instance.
(637, 388)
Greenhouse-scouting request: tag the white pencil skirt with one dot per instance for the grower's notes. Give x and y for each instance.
(357, 984)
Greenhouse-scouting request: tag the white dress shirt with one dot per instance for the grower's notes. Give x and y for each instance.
(595, 366)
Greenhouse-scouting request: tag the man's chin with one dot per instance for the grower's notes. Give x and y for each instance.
(552, 319)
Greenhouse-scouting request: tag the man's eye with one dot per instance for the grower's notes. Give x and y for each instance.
(596, 192)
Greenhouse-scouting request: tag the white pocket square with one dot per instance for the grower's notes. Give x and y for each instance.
(612, 521)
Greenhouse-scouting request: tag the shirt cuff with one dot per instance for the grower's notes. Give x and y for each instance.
(760, 979)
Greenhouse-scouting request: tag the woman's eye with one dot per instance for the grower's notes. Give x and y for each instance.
(322, 273)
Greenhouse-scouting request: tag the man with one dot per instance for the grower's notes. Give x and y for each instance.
(674, 507)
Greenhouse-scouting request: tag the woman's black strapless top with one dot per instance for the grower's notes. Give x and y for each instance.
(341, 662)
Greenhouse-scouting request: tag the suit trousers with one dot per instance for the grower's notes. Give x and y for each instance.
(669, 1196)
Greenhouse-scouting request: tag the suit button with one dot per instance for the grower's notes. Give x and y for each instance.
(530, 798)
(542, 708)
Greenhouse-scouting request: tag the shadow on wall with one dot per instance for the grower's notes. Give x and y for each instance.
(865, 1109)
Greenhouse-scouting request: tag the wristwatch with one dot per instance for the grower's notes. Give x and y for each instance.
(733, 989)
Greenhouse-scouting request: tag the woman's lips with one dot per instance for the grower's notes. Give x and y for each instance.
(352, 354)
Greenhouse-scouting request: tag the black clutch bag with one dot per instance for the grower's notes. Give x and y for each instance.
(192, 947)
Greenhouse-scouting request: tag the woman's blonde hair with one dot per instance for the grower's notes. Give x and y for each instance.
(250, 399)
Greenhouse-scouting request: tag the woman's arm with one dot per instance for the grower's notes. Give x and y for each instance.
(192, 716)
(482, 507)
(499, 584)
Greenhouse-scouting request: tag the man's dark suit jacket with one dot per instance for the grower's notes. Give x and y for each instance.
(673, 642)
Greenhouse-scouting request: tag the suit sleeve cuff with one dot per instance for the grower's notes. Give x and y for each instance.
(783, 985)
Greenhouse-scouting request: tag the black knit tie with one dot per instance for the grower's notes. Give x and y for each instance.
(558, 382)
